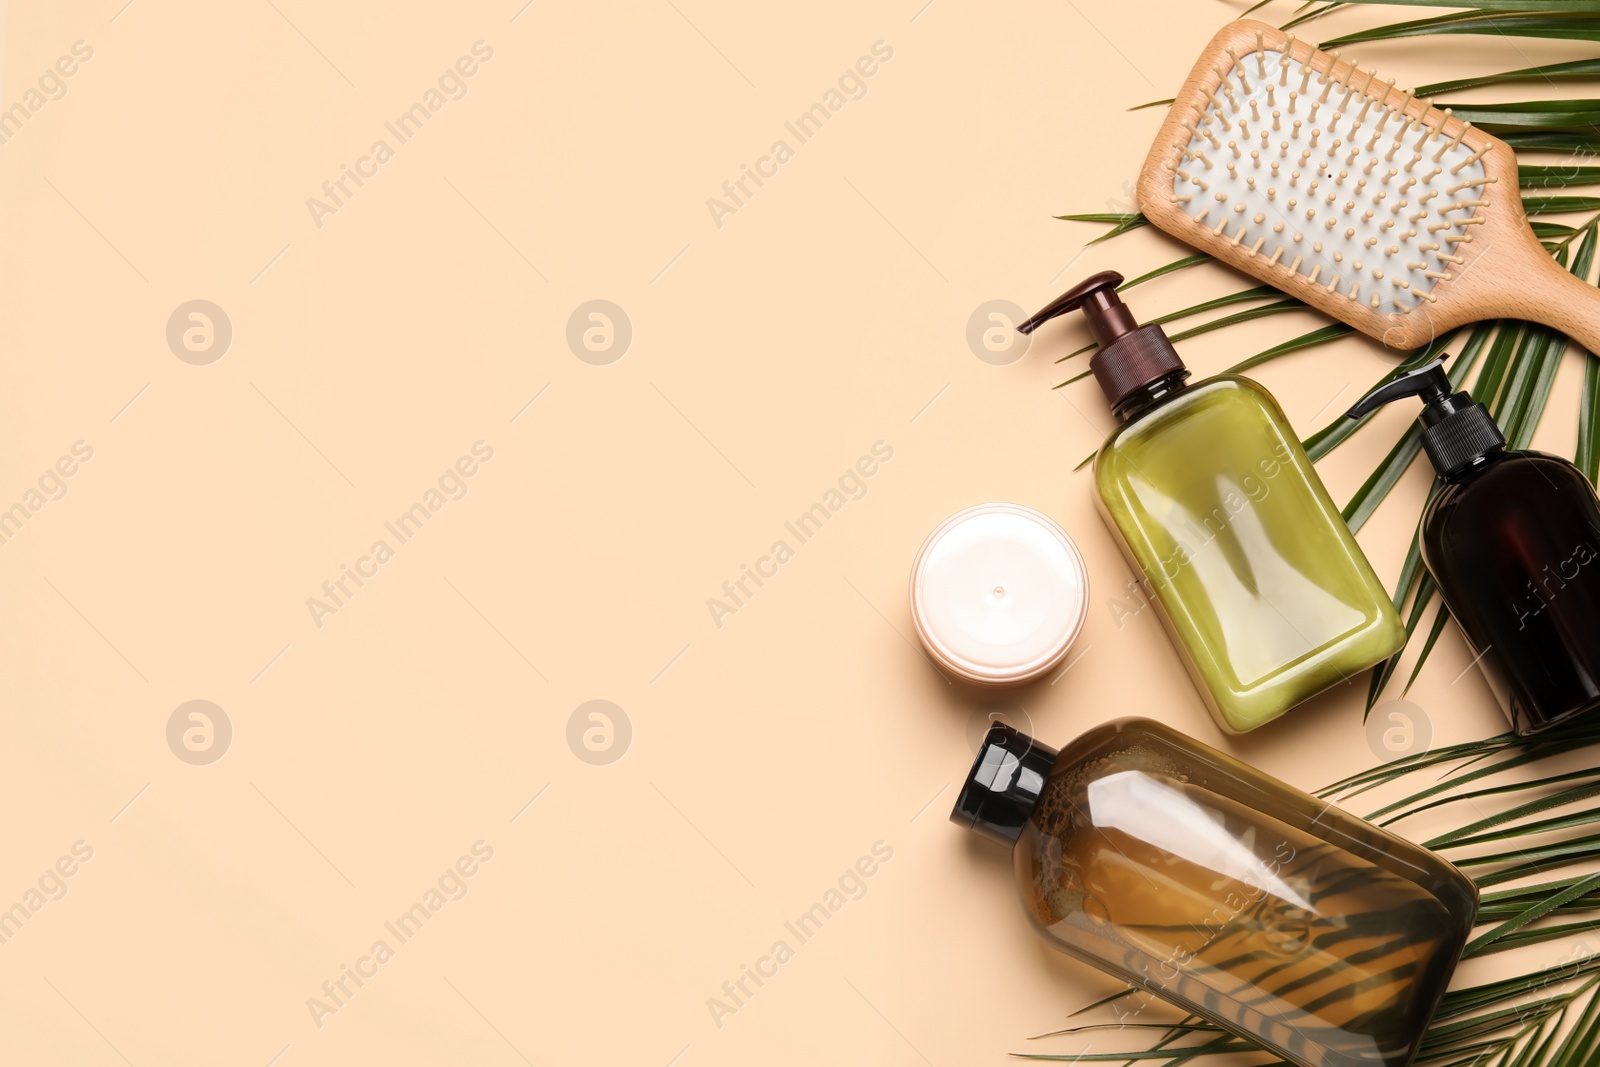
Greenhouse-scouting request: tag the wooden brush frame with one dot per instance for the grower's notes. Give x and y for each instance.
(1518, 280)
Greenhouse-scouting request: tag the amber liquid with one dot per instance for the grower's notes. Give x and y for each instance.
(1266, 927)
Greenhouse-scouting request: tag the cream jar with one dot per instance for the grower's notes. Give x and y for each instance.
(999, 593)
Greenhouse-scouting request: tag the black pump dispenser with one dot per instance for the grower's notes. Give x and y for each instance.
(1131, 356)
(1457, 430)
(1512, 538)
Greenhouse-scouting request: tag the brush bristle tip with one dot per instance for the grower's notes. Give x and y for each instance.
(1353, 150)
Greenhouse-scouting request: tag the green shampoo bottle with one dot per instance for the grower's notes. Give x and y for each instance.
(1246, 560)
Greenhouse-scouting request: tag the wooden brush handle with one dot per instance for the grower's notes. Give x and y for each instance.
(1572, 306)
(1541, 290)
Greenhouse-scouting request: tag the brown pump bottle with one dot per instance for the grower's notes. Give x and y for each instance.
(1513, 539)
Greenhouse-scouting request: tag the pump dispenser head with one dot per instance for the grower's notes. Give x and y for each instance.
(1457, 431)
(1131, 356)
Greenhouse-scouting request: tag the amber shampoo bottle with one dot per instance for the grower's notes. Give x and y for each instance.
(1184, 872)
(1513, 540)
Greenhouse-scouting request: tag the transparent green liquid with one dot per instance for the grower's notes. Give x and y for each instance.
(1251, 568)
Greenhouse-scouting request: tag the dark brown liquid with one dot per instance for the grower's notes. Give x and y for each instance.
(1246, 902)
(1515, 548)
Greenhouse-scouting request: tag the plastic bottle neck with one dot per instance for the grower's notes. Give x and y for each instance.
(1151, 394)
(1004, 785)
(1460, 439)
(1476, 466)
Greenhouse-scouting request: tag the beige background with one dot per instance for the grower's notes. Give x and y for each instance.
(368, 354)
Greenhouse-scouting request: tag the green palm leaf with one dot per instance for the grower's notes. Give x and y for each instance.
(1531, 114)
(1582, 68)
(1588, 454)
(1559, 205)
(1120, 222)
(1316, 337)
(1382, 674)
(1556, 177)
(1573, 6)
(1176, 265)
(1576, 144)
(1559, 27)
(1441, 617)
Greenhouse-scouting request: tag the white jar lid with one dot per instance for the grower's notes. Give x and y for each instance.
(998, 594)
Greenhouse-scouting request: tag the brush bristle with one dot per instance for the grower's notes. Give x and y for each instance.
(1320, 176)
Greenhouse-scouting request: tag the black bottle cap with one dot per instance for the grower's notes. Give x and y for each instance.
(1004, 784)
(1457, 431)
(1131, 356)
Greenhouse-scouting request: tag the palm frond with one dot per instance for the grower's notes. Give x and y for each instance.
(1550, 72)
(1543, 24)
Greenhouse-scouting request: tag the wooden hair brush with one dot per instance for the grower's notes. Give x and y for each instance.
(1359, 199)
